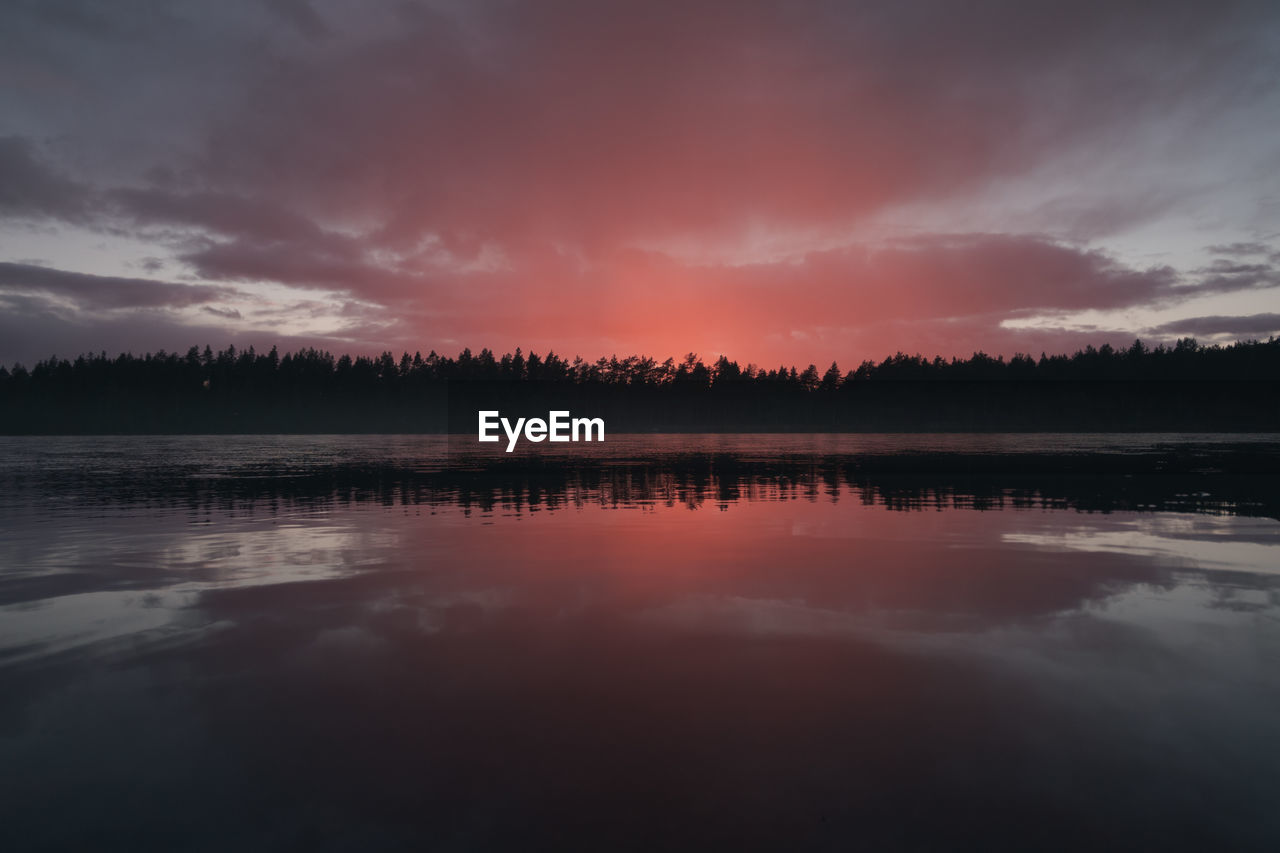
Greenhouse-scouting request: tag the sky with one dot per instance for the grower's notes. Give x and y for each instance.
(785, 182)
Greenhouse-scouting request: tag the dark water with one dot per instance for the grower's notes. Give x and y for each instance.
(679, 642)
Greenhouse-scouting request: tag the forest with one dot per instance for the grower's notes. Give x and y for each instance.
(1184, 387)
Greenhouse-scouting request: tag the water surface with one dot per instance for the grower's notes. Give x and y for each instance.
(773, 642)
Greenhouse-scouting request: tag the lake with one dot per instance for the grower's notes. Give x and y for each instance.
(659, 642)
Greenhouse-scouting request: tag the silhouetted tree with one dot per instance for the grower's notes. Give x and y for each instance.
(233, 389)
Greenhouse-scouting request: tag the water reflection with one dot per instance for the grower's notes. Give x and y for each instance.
(1209, 473)
(344, 642)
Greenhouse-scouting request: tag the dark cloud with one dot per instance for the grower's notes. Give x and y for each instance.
(1239, 249)
(483, 172)
(41, 330)
(301, 15)
(569, 121)
(314, 266)
(1249, 326)
(29, 189)
(1225, 276)
(946, 293)
(106, 292)
(1222, 267)
(230, 215)
(225, 313)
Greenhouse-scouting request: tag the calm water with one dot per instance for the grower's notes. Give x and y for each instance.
(678, 642)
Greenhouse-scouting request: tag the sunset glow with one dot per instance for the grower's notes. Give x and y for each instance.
(776, 182)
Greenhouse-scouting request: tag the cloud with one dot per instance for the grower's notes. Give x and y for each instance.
(570, 122)
(929, 294)
(29, 189)
(41, 330)
(1226, 276)
(1251, 248)
(1250, 326)
(941, 293)
(509, 174)
(301, 266)
(301, 15)
(87, 291)
(222, 213)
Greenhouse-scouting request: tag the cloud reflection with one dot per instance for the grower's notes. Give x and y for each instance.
(335, 654)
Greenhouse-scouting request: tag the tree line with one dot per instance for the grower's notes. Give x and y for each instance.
(1187, 359)
(315, 390)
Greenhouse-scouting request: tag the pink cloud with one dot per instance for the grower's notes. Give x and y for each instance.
(481, 174)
